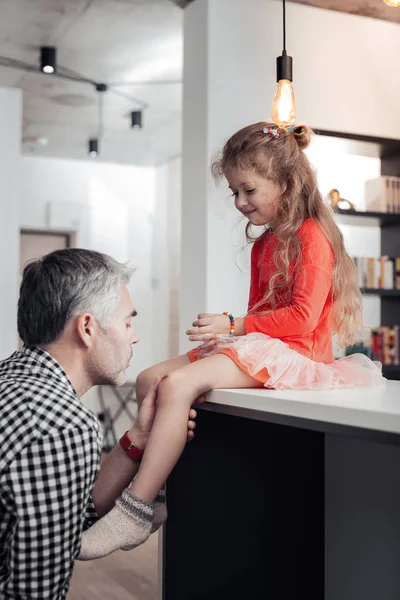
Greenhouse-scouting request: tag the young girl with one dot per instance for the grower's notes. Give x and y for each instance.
(303, 289)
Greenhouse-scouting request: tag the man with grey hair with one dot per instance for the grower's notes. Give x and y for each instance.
(75, 319)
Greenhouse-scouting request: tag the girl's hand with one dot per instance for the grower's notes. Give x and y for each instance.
(207, 326)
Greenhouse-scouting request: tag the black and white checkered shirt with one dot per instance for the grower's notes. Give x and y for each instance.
(49, 459)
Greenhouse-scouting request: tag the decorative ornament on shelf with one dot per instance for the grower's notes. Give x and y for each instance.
(283, 111)
(393, 3)
(339, 203)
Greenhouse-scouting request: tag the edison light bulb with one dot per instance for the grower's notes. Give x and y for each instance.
(392, 2)
(283, 110)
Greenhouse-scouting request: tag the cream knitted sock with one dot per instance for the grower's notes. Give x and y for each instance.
(160, 510)
(126, 526)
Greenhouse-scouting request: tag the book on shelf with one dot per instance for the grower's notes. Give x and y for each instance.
(397, 274)
(381, 273)
(383, 345)
(383, 194)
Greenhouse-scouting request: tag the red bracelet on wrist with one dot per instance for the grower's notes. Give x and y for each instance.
(135, 453)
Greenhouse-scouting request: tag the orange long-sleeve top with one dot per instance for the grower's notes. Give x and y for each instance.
(305, 321)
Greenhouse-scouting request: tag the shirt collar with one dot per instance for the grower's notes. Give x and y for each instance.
(48, 362)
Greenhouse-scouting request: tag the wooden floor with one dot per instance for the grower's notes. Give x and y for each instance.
(120, 576)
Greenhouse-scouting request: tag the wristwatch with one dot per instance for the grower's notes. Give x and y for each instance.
(129, 447)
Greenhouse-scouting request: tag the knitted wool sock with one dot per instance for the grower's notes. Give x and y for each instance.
(160, 510)
(126, 526)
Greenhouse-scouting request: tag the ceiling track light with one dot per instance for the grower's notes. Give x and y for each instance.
(48, 59)
(93, 147)
(136, 119)
(94, 143)
(48, 65)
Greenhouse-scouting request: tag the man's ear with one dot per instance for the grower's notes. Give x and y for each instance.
(86, 328)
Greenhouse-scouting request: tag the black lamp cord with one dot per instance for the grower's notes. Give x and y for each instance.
(284, 27)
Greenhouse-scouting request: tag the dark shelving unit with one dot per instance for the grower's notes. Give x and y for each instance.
(388, 150)
(381, 293)
(385, 219)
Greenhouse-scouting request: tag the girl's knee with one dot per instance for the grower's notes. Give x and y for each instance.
(174, 388)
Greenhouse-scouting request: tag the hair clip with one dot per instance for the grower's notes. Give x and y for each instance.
(273, 132)
(290, 129)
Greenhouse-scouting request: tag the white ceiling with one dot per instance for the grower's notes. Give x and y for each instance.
(375, 9)
(106, 41)
(109, 41)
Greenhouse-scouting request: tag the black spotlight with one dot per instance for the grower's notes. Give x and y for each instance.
(48, 62)
(93, 147)
(136, 119)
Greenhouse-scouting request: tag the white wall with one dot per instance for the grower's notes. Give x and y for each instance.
(10, 127)
(174, 251)
(346, 70)
(161, 280)
(166, 260)
(111, 208)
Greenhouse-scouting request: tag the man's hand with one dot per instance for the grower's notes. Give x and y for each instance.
(139, 434)
(140, 431)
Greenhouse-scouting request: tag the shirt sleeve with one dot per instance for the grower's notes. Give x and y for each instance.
(48, 487)
(90, 516)
(310, 291)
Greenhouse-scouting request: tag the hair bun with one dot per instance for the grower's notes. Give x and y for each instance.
(302, 135)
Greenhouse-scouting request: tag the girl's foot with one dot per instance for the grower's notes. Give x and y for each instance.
(160, 510)
(126, 526)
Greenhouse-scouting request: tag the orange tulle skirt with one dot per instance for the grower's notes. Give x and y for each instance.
(276, 366)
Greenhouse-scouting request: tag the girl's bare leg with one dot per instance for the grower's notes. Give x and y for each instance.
(146, 377)
(175, 396)
(143, 384)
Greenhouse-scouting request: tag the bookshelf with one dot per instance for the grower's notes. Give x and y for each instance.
(388, 150)
(384, 219)
(381, 293)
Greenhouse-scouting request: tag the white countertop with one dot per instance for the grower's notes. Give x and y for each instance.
(377, 409)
